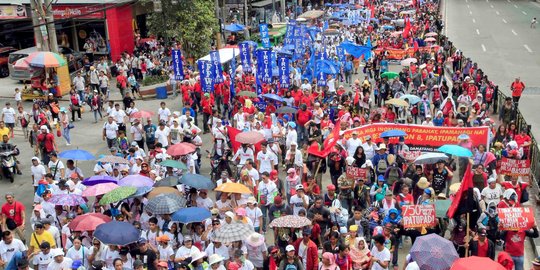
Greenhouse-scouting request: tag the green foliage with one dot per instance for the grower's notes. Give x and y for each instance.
(157, 79)
(192, 22)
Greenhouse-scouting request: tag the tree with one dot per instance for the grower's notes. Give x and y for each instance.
(192, 22)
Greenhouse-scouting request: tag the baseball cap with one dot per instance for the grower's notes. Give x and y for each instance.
(289, 248)
(278, 200)
(331, 187)
(299, 187)
(188, 238)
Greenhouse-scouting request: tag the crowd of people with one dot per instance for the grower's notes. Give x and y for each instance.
(356, 222)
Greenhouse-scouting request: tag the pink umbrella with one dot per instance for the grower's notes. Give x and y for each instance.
(430, 39)
(249, 137)
(88, 222)
(98, 189)
(136, 180)
(142, 114)
(181, 149)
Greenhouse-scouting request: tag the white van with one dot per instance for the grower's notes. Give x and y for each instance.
(22, 74)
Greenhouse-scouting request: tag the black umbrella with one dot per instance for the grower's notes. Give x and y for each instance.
(286, 109)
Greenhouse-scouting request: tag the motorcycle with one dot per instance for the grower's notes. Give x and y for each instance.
(7, 157)
(220, 164)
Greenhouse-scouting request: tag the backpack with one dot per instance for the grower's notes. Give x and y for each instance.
(393, 176)
(524, 194)
(382, 165)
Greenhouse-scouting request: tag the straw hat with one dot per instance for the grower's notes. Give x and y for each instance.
(391, 158)
(214, 258)
(454, 188)
(255, 239)
(196, 255)
(422, 183)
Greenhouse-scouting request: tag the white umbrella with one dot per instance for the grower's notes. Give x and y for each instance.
(407, 62)
(430, 158)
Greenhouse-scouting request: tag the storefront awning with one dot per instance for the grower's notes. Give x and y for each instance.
(262, 3)
(225, 55)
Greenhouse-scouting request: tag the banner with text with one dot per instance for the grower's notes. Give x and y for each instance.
(206, 75)
(245, 56)
(515, 167)
(264, 65)
(423, 138)
(419, 216)
(177, 65)
(356, 173)
(289, 34)
(516, 218)
(217, 69)
(265, 37)
(284, 71)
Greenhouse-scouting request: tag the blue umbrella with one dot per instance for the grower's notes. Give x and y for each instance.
(393, 133)
(235, 27)
(76, 154)
(117, 233)
(375, 20)
(433, 252)
(412, 98)
(191, 215)
(141, 191)
(197, 181)
(455, 150)
(388, 27)
(273, 97)
(98, 179)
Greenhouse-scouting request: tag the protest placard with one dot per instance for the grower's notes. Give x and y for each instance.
(515, 167)
(516, 218)
(418, 216)
(356, 173)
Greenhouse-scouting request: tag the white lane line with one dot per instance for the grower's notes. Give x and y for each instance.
(466, 1)
(508, 1)
(504, 21)
(487, 1)
(491, 6)
(524, 13)
(527, 48)
(483, 48)
(515, 6)
(469, 7)
(470, 12)
(514, 32)
(497, 12)
(473, 20)
(477, 32)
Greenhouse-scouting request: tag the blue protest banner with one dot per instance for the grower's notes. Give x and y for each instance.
(289, 34)
(264, 65)
(178, 68)
(284, 71)
(233, 79)
(206, 75)
(217, 69)
(340, 53)
(306, 40)
(265, 38)
(245, 56)
(321, 79)
(298, 42)
(261, 105)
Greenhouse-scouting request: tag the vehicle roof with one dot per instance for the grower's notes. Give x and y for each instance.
(27, 50)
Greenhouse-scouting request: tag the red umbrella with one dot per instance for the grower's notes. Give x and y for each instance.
(181, 149)
(142, 114)
(88, 222)
(250, 137)
(474, 263)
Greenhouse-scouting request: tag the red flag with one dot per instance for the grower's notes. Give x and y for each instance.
(356, 97)
(232, 132)
(463, 195)
(415, 46)
(328, 143)
(407, 28)
(372, 8)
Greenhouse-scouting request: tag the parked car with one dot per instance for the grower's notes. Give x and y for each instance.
(4, 56)
(74, 59)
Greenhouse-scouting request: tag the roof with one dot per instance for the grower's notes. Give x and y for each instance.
(71, 2)
(312, 14)
(261, 3)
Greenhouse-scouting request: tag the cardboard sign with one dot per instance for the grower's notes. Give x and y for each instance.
(356, 173)
(516, 218)
(515, 167)
(418, 216)
(410, 155)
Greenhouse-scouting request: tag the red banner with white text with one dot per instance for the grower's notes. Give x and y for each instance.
(515, 218)
(515, 167)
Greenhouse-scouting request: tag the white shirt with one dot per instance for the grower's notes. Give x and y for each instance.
(184, 252)
(266, 160)
(78, 82)
(7, 251)
(163, 135)
(352, 144)
(137, 131)
(267, 189)
(75, 255)
(382, 256)
(204, 203)
(118, 116)
(492, 195)
(243, 155)
(254, 174)
(65, 264)
(105, 166)
(55, 168)
(164, 114)
(369, 149)
(38, 172)
(43, 260)
(292, 136)
(254, 215)
(222, 250)
(110, 130)
(9, 115)
(297, 203)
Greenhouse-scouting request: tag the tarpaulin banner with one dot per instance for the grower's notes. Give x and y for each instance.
(298, 42)
(206, 75)
(265, 38)
(245, 56)
(515, 218)
(356, 173)
(289, 34)
(340, 54)
(515, 167)
(261, 105)
(284, 71)
(218, 70)
(399, 54)
(423, 138)
(321, 78)
(419, 216)
(306, 40)
(264, 65)
(177, 65)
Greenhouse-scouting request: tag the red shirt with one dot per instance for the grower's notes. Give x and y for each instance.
(48, 139)
(519, 188)
(483, 249)
(515, 243)
(517, 88)
(13, 211)
(521, 139)
(302, 117)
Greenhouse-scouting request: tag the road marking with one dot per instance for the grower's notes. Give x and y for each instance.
(515, 6)
(487, 1)
(470, 12)
(477, 32)
(466, 1)
(527, 48)
(491, 6)
(469, 7)
(504, 21)
(508, 1)
(497, 12)
(514, 32)
(473, 20)
(524, 13)
(483, 48)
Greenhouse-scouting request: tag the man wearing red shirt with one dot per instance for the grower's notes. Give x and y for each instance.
(517, 88)
(523, 140)
(515, 244)
(514, 183)
(13, 217)
(46, 139)
(302, 117)
(483, 247)
(307, 250)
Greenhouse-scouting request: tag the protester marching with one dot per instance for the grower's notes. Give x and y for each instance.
(363, 135)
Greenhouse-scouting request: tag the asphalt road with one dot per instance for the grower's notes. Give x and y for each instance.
(497, 35)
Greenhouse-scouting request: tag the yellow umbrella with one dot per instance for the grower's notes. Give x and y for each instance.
(163, 190)
(397, 102)
(233, 188)
(454, 188)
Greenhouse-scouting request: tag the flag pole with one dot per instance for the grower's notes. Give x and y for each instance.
(317, 171)
(467, 238)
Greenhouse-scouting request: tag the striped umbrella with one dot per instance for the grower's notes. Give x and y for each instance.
(290, 221)
(165, 204)
(45, 59)
(232, 232)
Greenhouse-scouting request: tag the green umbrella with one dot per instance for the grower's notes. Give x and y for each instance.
(441, 207)
(247, 94)
(117, 194)
(173, 164)
(389, 75)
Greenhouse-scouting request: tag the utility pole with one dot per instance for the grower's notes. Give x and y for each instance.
(283, 8)
(51, 29)
(40, 42)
